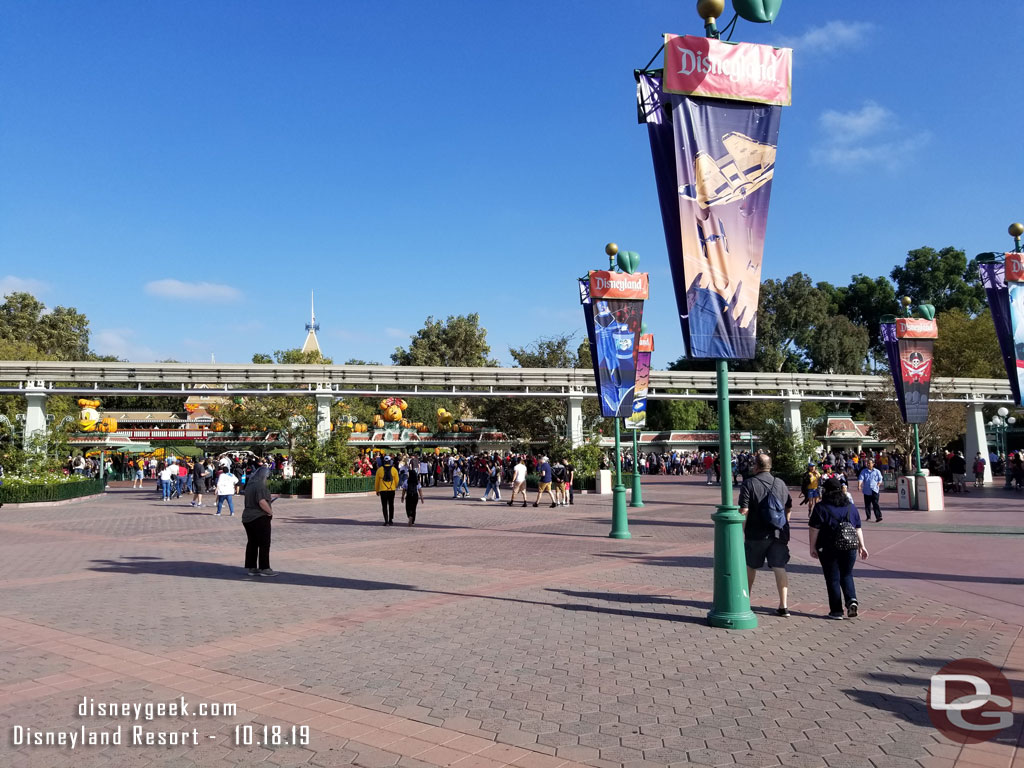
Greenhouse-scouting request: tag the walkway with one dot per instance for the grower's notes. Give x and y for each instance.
(488, 636)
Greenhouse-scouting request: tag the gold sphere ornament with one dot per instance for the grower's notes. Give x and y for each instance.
(1016, 229)
(907, 301)
(611, 249)
(710, 9)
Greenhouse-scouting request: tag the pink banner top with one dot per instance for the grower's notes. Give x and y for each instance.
(703, 66)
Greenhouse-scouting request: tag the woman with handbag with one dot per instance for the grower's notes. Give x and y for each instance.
(836, 537)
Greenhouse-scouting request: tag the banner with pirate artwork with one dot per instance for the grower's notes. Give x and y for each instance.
(993, 278)
(916, 340)
(714, 161)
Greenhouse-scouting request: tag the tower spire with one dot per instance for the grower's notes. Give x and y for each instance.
(311, 344)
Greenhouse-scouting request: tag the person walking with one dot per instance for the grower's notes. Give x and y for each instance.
(871, 486)
(518, 481)
(493, 480)
(226, 483)
(256, 517)
(836, 537)
(197, 482)
(766, 504)
(413, 496)
(167, 478)
(544, 481)
(139, 473)
(384, 484)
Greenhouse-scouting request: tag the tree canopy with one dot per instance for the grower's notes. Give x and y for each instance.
(28, 330)
(459, 341)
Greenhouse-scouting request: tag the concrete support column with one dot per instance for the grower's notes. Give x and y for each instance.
(35, 412)
(324, 400)
(976, 441)
(794, 422)
(574, 421)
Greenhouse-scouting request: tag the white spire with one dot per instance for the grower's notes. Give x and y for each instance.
(311, 344)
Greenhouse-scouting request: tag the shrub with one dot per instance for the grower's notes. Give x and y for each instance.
(16, 491)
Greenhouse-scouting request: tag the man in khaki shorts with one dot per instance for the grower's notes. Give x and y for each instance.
(518, 481)
(544, 481)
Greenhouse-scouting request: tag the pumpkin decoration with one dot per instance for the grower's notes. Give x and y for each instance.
(445, 419)
(89, 417)
(109, 424)
(393, 408)
(218, 426)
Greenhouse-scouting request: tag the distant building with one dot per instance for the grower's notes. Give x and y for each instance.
(311, 344)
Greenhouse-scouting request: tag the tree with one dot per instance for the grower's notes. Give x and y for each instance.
(967, 346)
(527, 418)
(62, 334)
(945, 279)
(837, 346)
(946, 421)
(457, 342)
(865, 301)
(293, 356)
(787, 313)
(681, 414)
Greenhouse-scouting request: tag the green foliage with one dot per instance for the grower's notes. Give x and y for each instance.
(457, 342)
(587, 457)
(943, 278)
(789, 453)
(303, 486)
(48, 488)
(294, 356)
(28, 330)
(967, 346)
(680, 414)
(333, 456)
(837, 346)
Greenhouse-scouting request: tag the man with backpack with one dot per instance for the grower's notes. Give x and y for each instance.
(765, 503)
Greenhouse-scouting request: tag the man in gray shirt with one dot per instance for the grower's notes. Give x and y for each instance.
(256, 519)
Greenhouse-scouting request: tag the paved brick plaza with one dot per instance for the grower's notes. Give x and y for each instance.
(488, 636)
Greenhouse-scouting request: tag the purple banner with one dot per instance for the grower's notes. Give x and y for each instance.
(993, 278)
(892, 354)
(714, 161)
(613, 327)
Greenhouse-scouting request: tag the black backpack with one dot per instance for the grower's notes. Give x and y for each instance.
(844, 535)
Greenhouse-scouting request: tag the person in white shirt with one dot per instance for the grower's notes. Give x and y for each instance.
(168, 476)
(226, 483)
(518, 481)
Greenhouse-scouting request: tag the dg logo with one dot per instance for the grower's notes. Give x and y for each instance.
(970, 701)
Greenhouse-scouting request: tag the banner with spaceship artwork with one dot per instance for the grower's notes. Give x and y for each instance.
(993, 278)
(714, 160)
(638, 418)
(613, 305)
(916, 339)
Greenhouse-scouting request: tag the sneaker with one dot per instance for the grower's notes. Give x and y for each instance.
(851, 610)
(836, 616)
(192, 503)
(534, 503)
(553, 505)
(483, 498)
(267, 572)
(252, 571)
(524, 505)
(784, 612)
(216, 514)
(510, 503)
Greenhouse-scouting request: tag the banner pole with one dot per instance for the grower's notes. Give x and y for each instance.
(731, 608)
(620, 521)
(635, 498)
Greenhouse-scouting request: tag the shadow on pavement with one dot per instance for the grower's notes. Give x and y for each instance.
(378, 523)
(632, 598)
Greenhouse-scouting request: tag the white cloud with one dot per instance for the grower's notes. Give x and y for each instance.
(176, 289)
(829, 37)
(870, 136)
(121, 343)
(14, 284)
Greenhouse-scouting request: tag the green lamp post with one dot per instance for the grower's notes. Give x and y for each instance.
(636, 498)
(620, 519)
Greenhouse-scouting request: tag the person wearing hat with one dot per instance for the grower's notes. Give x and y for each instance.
(837, 553)
(385, 484)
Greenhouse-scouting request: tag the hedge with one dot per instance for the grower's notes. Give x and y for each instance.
(303, 486)
(580, 482)
(25, 494)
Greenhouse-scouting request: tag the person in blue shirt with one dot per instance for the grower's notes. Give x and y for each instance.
(871, 486)
(544, 481)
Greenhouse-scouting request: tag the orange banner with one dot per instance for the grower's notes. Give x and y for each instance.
(646, 343)
(1015, 267)
(916, 328)
(618, 285)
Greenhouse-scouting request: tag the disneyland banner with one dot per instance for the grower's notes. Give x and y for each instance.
(993, 278)
(714, 160)
(703, 66)
(916, 339)
(1015, 289)
(613, 326)
(638, 418)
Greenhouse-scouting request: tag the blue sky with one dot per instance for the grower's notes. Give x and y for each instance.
(186, 173)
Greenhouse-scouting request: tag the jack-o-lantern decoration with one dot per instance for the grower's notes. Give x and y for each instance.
(109, 424)
(445, 419)
(392, 408)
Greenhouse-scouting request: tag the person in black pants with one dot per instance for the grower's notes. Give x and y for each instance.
(385, 484)
(413, 496)
(836, 561)
(256, 519)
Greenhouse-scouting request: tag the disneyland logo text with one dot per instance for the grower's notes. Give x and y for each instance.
(691, 62)
(617, 284)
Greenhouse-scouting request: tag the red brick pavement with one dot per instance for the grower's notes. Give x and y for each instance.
(489, 636)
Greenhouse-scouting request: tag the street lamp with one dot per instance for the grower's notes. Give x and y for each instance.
(1001, 423)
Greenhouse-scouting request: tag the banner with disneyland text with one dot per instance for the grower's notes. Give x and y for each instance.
(614, 305)
(998, 277)
(714, 160)
(638, 418)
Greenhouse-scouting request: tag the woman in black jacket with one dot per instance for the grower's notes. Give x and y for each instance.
(833, 515)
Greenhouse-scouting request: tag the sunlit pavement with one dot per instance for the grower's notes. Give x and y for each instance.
(488, 635)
